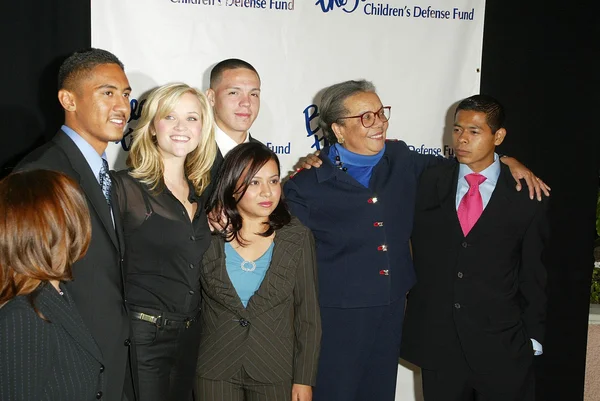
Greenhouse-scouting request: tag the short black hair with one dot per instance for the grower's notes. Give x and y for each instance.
(494, 111)
(245, 160)
(81, 63)
(230, 64)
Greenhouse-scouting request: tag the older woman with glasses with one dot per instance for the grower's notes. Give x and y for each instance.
(359, 205)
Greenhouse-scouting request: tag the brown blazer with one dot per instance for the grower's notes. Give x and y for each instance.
(277, 336)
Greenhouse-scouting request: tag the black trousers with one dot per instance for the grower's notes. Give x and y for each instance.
(360, 348)
(458, 382)
(166, 357)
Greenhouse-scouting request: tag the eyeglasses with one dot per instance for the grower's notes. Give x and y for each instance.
(368, 117)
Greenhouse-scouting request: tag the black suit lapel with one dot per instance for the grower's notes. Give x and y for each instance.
(251, 139)
(88, 183)
(64, 313)
(499, 203)
(118, 224)
(446, 191)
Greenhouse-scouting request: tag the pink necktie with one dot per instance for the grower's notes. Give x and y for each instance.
(471, 205)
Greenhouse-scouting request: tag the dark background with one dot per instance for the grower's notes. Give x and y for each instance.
(538, 60)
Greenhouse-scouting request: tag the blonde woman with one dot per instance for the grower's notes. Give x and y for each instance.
(161, 199)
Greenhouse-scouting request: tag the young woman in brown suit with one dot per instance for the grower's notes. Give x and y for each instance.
(260, 321)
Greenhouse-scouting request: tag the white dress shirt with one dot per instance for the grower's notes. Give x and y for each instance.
(224, 141)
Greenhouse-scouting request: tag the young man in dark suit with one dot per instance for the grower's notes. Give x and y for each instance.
(475, 318)
(94, 93)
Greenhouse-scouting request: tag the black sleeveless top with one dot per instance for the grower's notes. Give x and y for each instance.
(163, 247)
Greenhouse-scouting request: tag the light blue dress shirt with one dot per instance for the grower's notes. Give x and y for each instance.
(92, 157)
(245, 282)
(486, 189)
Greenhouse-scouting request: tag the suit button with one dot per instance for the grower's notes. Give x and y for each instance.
(101, 368)
(192, 238)
(191, 292)
(99, 395)
(127, 342)
(464, 244)
(244, 323)
(457, 305)
(460, 275)
(191, 265)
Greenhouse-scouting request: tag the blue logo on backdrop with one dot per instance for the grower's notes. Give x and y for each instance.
(423, 149)
(310, 113)
(136, 113)
(387, 10)
(281, 5)
(280, 149)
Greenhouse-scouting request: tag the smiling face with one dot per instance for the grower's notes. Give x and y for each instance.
(98, 108)
(262, 195)
(474, 141)
(351, 133)
(236, 101)
(179, 132)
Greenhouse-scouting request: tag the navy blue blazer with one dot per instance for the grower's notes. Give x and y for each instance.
(361, 234)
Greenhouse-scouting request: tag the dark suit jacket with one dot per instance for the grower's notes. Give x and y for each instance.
(351, 224)
(483, 295)
(97, 285)
(55, 360)
(277, 336)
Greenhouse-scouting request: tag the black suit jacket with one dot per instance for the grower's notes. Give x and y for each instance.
(48, 360)
(483, 295)
(277, 336)
(97, 285)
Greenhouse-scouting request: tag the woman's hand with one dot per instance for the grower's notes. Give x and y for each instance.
(301, 392)
(519, 171)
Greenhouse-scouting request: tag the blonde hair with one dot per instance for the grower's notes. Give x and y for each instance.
(144, 156)
(44, 228)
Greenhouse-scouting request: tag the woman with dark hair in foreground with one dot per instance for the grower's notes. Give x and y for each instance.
(260, 321)
(47, 351)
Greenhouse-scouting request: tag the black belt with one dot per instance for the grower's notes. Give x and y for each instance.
(161, 321)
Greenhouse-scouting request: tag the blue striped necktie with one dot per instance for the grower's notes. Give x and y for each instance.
(105, 182)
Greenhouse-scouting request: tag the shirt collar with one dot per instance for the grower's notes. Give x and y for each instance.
(92, 157)
(491, 173)
(224, 141)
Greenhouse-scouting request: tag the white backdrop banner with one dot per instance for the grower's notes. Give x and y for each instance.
(422, 57)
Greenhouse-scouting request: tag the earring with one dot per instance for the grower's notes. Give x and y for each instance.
(341, 140)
